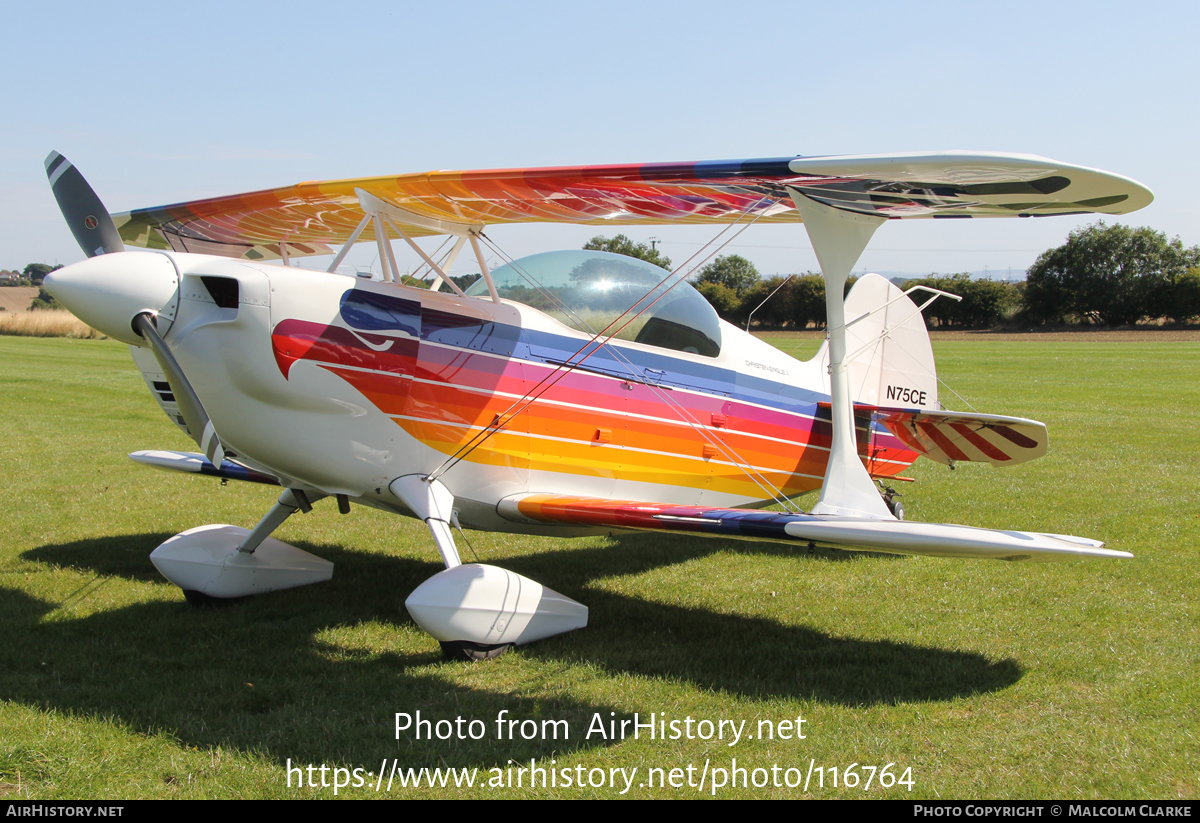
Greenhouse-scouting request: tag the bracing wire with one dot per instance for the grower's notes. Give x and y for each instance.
(751, 472)
(596, 342)
(568, 366)
(418, 272)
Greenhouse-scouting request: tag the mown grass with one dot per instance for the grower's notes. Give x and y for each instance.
(1064, 680)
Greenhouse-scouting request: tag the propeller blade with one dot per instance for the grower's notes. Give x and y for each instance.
(89, 221)
(199, 425)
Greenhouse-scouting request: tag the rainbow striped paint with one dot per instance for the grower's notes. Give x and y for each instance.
(307, 218)
(629, 413)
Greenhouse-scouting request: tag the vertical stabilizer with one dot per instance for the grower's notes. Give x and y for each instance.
(889, 361)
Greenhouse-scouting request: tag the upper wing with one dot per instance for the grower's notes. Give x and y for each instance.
(893, 536)
(310, 216)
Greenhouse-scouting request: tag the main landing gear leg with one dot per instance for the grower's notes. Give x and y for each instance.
(220, 562)
(477, 611)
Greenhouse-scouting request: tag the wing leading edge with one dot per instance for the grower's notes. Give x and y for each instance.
(890, 536)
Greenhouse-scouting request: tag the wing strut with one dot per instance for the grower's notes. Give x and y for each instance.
(839, 237)
(382, 214)
(341, 255)
(446, 263)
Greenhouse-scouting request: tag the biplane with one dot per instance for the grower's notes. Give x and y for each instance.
(566, 393)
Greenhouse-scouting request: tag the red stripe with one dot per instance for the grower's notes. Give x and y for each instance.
(942, 441)
(978, 442)
(1016, 437)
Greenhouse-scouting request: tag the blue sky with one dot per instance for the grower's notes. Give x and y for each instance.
(158, 103)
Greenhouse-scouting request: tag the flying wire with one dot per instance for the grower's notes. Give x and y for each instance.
(727, 451)
(563, 369)
(433, 256)
(558, 373)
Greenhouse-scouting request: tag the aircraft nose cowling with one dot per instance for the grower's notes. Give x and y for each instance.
(109, 290)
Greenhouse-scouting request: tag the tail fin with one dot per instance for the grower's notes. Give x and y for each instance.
(893, 379)
(889, 359)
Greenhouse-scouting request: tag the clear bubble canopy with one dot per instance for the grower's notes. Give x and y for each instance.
(588, 290)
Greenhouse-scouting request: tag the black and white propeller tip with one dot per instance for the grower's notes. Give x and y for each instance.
(86, 216)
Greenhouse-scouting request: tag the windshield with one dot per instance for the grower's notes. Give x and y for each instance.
(588, 290)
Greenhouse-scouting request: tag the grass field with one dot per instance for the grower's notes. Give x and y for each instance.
(986, 679)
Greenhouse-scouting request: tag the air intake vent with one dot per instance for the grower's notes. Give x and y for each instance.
(224, 290)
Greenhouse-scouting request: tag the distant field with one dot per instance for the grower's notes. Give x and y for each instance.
(987, 679)
(17, 298)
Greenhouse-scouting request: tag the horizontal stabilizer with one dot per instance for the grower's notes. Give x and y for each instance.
(891, 536)
(947, 436)
(193, 463)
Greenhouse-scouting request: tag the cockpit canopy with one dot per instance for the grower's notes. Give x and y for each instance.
(588, 290)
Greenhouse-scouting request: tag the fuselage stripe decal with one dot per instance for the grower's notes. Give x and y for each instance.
(552, 438)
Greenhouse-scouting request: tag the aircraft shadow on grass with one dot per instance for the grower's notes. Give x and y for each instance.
(166, 666)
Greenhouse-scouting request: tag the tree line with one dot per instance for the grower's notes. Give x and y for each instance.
(798, 301)
(1114, 276)
(31, 275)
(1102, 275)
(734, 288)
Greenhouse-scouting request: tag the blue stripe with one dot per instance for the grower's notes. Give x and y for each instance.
(379, 311)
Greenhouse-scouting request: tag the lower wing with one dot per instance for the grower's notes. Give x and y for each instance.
(892, 536)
